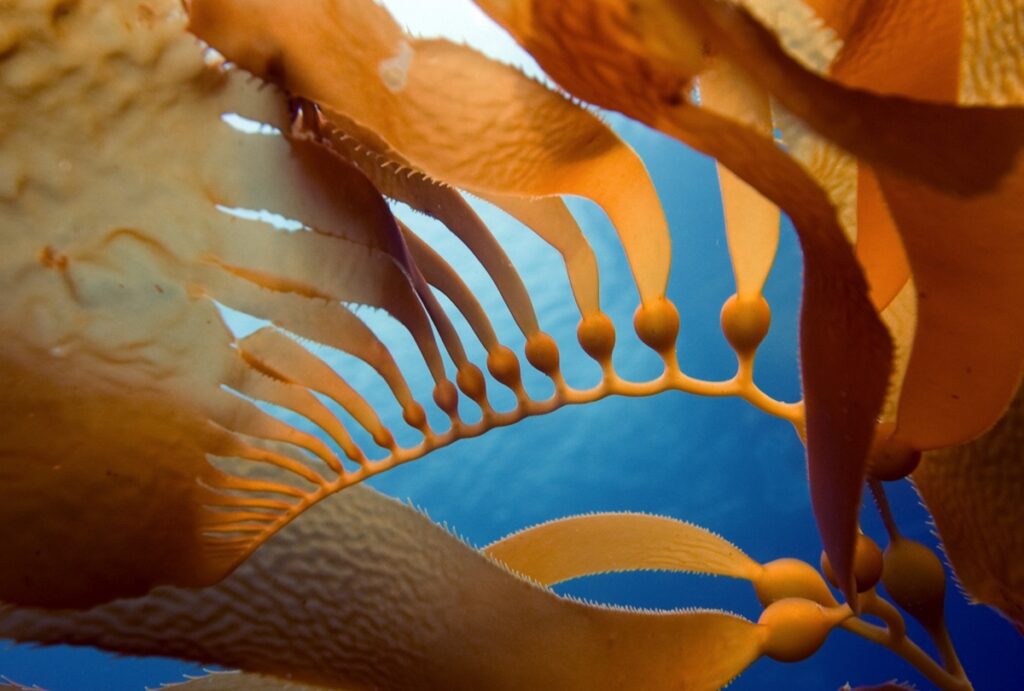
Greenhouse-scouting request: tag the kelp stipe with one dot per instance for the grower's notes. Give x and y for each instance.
(363, 114)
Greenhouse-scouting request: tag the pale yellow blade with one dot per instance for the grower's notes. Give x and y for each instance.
(577, 546)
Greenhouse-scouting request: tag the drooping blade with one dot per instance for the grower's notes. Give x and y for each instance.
(514, 135)
(577, 546)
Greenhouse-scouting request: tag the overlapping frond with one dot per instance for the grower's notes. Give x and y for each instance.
(395, 602)
(184, 446)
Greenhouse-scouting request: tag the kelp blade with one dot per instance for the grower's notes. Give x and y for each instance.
(577, 546)
(113, 338)
(514, 136)
(406, 606)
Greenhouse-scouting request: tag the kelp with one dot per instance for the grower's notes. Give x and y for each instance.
(970, 491)
(170, 472)
(397, 602)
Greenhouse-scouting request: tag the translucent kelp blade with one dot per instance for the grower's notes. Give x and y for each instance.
(968, 352)
(514, 136)
(440, 274)
(321, 266)
(438, 317)
(553, 223)
(288, 359)
(989, 73)
(877, 38)
(395, 177)
(407, 606)
(900, 317)
(751, 221)
(972, 492)
(255, 382)
(879, 247)
(329, 323)
(845, 350)
(109, 242)
(578, 546)
(318, 206)
(245, 418)
(632, 57)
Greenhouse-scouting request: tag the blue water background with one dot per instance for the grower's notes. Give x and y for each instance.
(719, 463)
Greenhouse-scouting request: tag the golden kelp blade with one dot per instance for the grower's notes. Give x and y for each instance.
(845, 351)
(577, 546)
(751, 221)
(459, 117)
(398, 603)
(116, 163)
(877, 40)
(396, 178)
(973, 493)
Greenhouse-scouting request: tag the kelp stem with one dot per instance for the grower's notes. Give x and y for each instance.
(672, 379)
(909, 651)
(884, 510)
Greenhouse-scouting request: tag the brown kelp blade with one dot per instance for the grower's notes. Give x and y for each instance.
(514, 136)
(112, 337)
(577, 546)
(845, 351)
(972, 492)
(408, 606)
(288, 360)
(441, 275)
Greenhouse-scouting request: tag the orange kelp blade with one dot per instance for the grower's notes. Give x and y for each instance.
(973, 493)
(590, 544)
(407, 605)
(845, 351)
(878, 37)
(576, 546)
(452, 113)
(396, 178)
(952, 178)
(751, 221)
